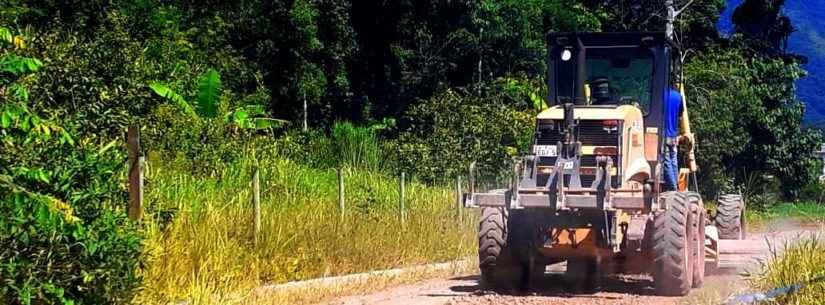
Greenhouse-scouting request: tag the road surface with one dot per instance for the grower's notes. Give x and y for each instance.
(551, 288)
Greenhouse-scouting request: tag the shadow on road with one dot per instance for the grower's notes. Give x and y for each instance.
(555, 285)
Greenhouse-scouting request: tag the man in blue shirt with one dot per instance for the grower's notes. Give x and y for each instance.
(670, 166)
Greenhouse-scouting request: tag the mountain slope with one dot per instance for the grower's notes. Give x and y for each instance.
(809, 40)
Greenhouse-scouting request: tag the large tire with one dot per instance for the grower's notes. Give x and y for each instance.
(672, 238)
(697, 209)
(500, 269)
(730, 217)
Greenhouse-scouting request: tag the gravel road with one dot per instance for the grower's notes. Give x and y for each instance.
(551, 288)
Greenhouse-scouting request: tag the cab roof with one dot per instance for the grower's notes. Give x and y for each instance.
(607, 39)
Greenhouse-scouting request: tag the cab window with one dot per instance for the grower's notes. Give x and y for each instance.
(620, 76)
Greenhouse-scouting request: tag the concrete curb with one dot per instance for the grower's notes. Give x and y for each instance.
(364, 278)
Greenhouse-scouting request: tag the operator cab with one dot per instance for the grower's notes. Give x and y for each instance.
(616, 83)
(609, 70)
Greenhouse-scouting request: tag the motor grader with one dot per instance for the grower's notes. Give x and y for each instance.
(591, 192)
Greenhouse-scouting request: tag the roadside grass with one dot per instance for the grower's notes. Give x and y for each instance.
(786, 213)
(798, 262)
(201, 247)
(803, 212)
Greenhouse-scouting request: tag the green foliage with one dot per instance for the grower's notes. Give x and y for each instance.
(18, 65)
(695, 27)
(5, 34)
(172, 96)
(813, 192)
(204, 143)
(534, 89)
(304, 17)
(761, 27)
(514, 31)
(444, 134)
(748, 122)
(49, 256)
(356, 146)
(209, 89)
(62, 238)
(208, 97)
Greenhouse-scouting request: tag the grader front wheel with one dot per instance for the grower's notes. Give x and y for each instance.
(697, 210)
(672, 238)
(500, 269)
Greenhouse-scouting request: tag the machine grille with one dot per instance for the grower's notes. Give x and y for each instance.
(591, 133)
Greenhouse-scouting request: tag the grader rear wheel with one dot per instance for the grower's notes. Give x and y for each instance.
(500, 269)
(730, 217)
(672, 239)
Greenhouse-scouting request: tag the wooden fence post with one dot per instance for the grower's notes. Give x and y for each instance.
(458, 203)
(341, 192)
(471, 178)
(304, 125)
(401, 207)
(135, 209)
(256, 202)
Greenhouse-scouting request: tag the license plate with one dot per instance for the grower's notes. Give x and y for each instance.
(545, 150)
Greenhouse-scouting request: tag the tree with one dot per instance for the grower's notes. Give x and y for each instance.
(695, 28)
(748, 122)
(762, 26)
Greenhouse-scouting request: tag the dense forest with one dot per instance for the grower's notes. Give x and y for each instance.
(431, 85)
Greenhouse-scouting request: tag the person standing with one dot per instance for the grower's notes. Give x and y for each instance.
(670, 166)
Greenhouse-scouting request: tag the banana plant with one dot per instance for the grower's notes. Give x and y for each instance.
(208, 97)
(533, 90)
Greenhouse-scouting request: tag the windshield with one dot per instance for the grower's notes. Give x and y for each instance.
(620, 76)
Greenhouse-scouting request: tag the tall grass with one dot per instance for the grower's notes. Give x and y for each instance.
(201, 247)
(800, 262)
(356, 146)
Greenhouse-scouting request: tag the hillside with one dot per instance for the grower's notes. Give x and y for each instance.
(808, 40)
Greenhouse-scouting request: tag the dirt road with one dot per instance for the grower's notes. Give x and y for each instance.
(551, 288)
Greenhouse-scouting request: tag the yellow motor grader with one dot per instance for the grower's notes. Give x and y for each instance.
(591, 193)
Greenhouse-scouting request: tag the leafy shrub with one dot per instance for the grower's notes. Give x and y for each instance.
(346, 145)
(200, 144)
(63, 233)
(63, 237)
(441, 136)
(48, 255)
(813, 192)
(761, 191)
(313, 148)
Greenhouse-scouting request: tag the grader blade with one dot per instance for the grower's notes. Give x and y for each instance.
(733, 254)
